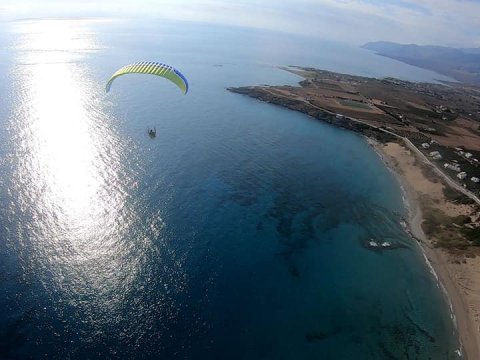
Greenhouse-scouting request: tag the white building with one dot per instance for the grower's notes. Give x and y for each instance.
(468, 155)
(475, 179)
(462, 175)
(425, 145)
(453, 167)
(339, 116)
(435, 155)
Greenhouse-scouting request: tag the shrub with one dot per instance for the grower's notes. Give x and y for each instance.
(472, 235)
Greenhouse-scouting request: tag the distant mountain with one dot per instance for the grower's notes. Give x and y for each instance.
(460, 64)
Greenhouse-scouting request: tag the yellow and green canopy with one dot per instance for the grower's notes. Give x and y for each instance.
(152, 68)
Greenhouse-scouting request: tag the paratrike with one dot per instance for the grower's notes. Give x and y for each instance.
(152, 133)
(152, 68)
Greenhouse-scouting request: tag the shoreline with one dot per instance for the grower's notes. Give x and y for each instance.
(443, 214)
(436, 260)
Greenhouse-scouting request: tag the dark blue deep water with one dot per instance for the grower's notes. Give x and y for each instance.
(235, 234)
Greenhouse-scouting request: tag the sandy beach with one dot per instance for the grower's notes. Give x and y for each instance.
(458, 272)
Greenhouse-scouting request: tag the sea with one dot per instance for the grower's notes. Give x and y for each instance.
(238, 232)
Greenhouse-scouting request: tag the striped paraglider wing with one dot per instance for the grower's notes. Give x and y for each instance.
(152, 68)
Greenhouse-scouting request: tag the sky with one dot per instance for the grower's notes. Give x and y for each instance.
(434, 22)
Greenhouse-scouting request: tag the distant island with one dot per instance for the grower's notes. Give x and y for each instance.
(460, 64)
(429, 135)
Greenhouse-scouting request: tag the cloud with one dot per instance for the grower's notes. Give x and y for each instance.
(446, 22)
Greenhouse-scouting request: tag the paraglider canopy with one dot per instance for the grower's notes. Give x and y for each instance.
(152, 68)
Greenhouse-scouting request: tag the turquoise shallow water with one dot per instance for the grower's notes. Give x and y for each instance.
(236, 233)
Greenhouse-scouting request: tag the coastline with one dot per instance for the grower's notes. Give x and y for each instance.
(446, 273)
(443, 214)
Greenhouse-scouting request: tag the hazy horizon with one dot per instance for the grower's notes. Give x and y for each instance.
(425, 22)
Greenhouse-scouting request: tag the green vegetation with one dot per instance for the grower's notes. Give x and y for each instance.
(434, 219)
(452, 240)
(461, 219)
(449, 232)
(472, 234)
(455, 196)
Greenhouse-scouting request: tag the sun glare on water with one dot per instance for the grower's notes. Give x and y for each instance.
(59, 132)
(70, 181)
(65, 148)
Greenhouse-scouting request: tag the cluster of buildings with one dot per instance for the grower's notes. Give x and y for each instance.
(465, 154)
(453, 166)
(427, 145)
(462, 175)
(435, 155)
(440, 109)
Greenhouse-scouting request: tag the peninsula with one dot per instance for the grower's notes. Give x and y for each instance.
(429, 135)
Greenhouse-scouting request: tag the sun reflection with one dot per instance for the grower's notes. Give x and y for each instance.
(63, 142)
(81, 227)
(65, 147)
(49, 35)
(70, 174)
(54, 41)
